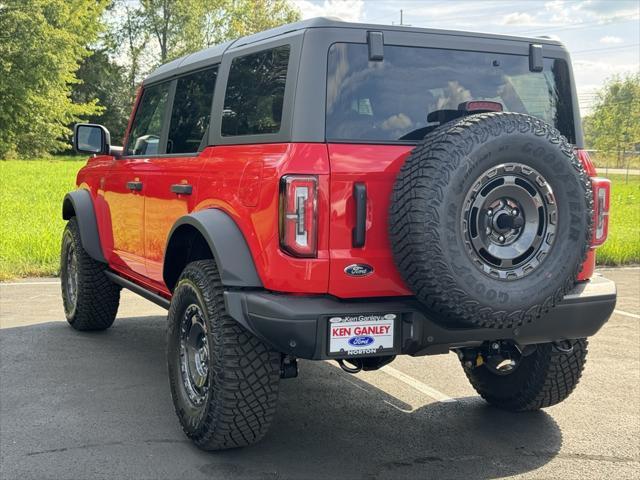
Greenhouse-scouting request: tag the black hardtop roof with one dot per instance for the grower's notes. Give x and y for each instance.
(330, 22)
(214, 54)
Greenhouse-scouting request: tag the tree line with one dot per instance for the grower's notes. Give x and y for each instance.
(64, 61)
(613, 127)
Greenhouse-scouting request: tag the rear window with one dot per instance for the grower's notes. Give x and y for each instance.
(191, 111)
(390, 100)
(255, 93)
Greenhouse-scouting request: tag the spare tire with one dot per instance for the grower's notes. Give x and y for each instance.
(490, 220)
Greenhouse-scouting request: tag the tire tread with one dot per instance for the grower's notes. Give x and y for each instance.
(551, 378)
(98, 297)
(414, 218)
(246, 373)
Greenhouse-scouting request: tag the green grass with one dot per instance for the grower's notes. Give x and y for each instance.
(31, 194)
(623, 244)
(602, 161)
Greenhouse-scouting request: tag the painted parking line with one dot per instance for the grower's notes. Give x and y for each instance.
(407, 380)
(13, 284)
(626, 314)
(417, 384)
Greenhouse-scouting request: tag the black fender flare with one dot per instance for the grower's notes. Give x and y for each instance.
(227, 244)
(79, 204)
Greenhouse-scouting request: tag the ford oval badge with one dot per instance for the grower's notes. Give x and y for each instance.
(361, 341)
(358, 270)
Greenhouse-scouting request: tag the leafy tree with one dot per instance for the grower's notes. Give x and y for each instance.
(237, 18)
(185, 26)
(101, 78)
(132, 37)
(614, 125)
(41, 45)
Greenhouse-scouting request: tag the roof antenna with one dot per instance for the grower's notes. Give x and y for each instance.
(401, 20)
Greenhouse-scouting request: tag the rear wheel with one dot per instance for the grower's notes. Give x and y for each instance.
(543, 378)
(89, 298)
(224, 381)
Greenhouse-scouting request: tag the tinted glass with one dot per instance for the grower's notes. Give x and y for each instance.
(391, 100)
(255, 93)
(191, 111)
(144, 138)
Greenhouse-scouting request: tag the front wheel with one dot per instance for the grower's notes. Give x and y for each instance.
(89, 298)
(224, 381)
(541, 379)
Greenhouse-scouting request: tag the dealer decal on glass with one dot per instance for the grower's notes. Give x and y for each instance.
(361, 334)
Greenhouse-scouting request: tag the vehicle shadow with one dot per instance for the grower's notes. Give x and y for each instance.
(70, 398)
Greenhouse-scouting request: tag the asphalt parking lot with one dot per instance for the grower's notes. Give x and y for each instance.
(96, 405)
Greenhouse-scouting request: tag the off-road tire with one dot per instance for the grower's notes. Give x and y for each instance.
(544, 378)
(427, 238)
(244, 373)
(97, 298)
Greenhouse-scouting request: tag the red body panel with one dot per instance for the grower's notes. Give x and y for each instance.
(232, 170)
(243, 181)
(163, 207)
(377, 166)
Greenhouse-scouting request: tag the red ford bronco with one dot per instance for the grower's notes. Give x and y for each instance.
(348, 192)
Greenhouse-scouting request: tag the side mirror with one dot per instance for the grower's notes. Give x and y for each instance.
(91, 138)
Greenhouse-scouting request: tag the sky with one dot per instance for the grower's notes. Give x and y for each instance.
(603, 36)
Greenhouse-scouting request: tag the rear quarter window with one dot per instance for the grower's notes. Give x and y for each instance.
(255, 93)
(396, 99)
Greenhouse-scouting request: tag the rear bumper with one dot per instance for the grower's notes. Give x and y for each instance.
(299, 325)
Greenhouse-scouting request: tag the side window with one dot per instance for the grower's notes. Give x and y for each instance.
(191, 111)
(255, 93)
(144, 138)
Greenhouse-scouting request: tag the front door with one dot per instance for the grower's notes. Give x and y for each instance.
(127, 181)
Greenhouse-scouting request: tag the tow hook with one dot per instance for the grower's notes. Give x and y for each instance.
(357, 366)
(563, 346)
(288, 367)
(365, 363)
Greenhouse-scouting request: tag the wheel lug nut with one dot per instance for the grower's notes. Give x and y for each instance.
(489, 212)
(501, 238)
(514, 212)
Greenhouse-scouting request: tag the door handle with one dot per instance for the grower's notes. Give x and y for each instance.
(181, 188)
(358, 233)
(134, 186)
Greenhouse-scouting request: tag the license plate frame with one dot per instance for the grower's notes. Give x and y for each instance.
(362, 335)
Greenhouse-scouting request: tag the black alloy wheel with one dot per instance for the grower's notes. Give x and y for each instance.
(509, 220)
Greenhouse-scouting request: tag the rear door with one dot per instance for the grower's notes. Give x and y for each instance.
(172, 178)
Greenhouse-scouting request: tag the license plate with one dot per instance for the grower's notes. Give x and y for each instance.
(361, 334)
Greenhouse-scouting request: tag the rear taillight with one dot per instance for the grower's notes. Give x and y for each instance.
(298, 215)
(601, 193)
